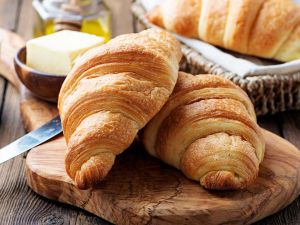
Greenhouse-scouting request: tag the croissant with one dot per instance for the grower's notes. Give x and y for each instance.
(111, 93)
(208, 130)
(264, 28)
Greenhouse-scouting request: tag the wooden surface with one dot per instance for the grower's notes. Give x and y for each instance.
(142, 190)
(19, 205)
(10, 44)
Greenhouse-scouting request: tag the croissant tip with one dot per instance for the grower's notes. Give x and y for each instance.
(94, 171)
(81, 181)
(224, 180)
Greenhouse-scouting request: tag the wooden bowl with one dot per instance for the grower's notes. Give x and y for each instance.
(43, 85)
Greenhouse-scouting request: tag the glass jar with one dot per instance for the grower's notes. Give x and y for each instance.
(89, 16)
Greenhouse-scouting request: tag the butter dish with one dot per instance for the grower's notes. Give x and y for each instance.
(43, 85)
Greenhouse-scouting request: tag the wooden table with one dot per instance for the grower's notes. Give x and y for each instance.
(18, 204)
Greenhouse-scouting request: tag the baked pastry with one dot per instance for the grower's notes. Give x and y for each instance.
(264, 28)
(208, 130)
(111, 93)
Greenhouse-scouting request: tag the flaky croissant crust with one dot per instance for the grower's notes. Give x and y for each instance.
(208, 130)
(112, 92)
(264, 28)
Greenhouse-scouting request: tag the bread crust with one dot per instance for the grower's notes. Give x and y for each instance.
(264, 28)
(111, 93)
(208, 130)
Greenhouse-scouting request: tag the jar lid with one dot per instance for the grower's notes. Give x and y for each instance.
(66, 9)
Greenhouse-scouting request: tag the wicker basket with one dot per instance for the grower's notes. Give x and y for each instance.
(269, 93)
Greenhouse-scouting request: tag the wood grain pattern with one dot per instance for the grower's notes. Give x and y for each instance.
(291, 126)
(10, 44)
(277, 124)
(3, 84)
(10, 112)
(35, 112)
(19, 205)
(141, 190)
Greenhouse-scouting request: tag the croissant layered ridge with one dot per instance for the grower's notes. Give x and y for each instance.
(111, 93)
(208, 130)
(264, 28)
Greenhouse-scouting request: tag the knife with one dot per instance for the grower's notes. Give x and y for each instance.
(31, 140)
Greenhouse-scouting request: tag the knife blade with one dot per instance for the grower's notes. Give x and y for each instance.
(31, 140)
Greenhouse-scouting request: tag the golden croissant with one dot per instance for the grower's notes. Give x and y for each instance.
(208, 130)
(111, 93)
(264, 28)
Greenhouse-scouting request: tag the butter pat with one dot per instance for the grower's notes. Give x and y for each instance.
(56, 53)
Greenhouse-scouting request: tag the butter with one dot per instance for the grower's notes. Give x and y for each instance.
(56, 53)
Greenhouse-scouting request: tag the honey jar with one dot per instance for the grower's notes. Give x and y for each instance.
(89, 16)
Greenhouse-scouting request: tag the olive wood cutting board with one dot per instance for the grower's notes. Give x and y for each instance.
(142, 190)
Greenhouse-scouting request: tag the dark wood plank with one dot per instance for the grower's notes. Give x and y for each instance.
(85, 218)
(8, 19)
(8, 13)
(291, 127)
(11, 126)
(289, 215)
(3, 85)
(8, 16)
(288, 124)
(271, 123)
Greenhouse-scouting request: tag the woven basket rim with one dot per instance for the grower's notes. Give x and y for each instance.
(270, 93)
(139, 12)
